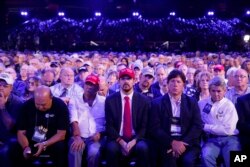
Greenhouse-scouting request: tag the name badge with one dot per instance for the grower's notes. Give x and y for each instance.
(207, 108)
(175, 128)
(39, 134)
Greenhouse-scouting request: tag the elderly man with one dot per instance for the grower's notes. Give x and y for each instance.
(9, 105)
(67, 89)
(87, 119)
(42, 126)
(144, 86)
(220, 118)
(160, 74)
(240, 85)
(175, 124)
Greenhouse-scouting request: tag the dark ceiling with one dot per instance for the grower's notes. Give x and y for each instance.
(123, 8)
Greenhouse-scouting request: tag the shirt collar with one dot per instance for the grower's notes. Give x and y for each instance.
(236, 93)
(173, 100)
(130, 95)
(68, 88)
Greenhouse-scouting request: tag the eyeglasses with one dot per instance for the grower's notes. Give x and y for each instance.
(5, 85)
(55, 64)
(240, 76)
(125, 78)
(68, 75)
(31, 83)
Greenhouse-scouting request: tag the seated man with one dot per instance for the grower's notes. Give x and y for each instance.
(126, 114)
(87, 119)
(144, 86)
(220, 118)
(175, 124)
(42, 126)
(9, 105)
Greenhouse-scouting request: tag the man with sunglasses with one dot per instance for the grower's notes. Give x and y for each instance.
(9, 104)
(144, 86)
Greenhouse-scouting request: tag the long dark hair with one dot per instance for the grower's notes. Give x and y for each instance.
(37, 82)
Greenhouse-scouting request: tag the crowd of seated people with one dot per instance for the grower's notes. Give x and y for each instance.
(156, 109)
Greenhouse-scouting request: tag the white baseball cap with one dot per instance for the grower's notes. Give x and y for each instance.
(7, 78)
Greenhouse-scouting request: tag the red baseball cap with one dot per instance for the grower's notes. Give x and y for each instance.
(177, 64)
(127, 72)
(92, 79)
(219, 67)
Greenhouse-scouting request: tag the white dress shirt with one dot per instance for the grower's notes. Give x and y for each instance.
(90, 119)
(73, 91)
(176, 106)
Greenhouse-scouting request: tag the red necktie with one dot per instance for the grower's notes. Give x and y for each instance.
(127, 125)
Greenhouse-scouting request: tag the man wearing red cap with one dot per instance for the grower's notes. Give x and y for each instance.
(87, 120)
(219, 70)
(126, 114)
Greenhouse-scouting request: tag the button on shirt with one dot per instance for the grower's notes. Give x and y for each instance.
(131, 109)
(73, 91)
(176, 106)
(90, 119)
(222, 118)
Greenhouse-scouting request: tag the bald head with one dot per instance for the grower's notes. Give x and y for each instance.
(42, 91)
(43, 98)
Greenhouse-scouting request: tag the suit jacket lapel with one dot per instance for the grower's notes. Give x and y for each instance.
(167, 107)
(183, 108)
(134, 108)
(119, 107)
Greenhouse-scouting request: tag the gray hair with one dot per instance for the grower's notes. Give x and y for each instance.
(218, 81)
(231, 71)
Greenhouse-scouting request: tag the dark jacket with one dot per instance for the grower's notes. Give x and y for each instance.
(113, 114)
(243, 125)
(152, 93)
(160, 121)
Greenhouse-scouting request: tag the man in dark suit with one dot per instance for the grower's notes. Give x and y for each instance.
(126, 115)
(175, 124)
(243, 125)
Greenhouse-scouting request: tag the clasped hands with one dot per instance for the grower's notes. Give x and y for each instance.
(178, 148)
(126, 147)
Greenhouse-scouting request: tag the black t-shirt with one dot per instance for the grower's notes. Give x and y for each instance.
(56, 118)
